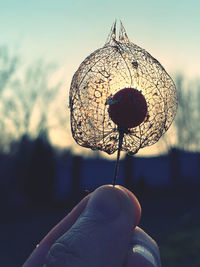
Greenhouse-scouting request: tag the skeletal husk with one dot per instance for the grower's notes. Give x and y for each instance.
(117, 65)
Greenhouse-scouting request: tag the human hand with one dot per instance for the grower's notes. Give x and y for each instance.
(101, 231)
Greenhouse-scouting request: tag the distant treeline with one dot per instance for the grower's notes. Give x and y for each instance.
(34, 174)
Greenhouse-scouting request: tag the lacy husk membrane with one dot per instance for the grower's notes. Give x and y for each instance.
(120, 64)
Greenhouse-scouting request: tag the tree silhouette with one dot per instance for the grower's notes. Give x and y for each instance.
(186, 128)
(39, 182)
(8, 66)
(26, 99)
(188, 116)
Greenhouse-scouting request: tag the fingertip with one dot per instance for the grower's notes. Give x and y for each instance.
(132, 198)
(111, 202)
(135, 204)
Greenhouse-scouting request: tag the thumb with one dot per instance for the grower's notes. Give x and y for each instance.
(101, 235)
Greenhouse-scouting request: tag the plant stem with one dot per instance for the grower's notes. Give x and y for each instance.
(121, 136)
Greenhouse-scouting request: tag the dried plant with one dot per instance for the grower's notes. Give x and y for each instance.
(120, 64)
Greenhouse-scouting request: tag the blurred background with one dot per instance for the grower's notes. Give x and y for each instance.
(43, 172)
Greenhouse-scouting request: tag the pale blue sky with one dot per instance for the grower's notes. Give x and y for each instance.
(67, 31)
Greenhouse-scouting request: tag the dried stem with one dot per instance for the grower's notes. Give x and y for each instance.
(121, 136)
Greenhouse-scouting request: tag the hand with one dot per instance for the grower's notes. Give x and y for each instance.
(101, 231)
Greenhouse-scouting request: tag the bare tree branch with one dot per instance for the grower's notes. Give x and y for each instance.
(25, 103)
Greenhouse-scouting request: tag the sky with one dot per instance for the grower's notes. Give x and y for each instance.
(66, 32)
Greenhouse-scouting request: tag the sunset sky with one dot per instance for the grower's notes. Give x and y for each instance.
(66, 31)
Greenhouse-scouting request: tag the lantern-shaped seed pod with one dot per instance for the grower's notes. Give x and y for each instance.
(121, 89)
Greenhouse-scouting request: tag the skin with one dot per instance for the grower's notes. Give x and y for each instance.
(100, 231)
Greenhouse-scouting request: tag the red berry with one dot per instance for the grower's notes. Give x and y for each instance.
(128, 108)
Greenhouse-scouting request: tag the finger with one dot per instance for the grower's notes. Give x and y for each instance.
(143, 251)
(38, 256)
(135, 204)
(101, 235)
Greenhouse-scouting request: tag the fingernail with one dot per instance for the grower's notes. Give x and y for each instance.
(145, 253)
(107, 202)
